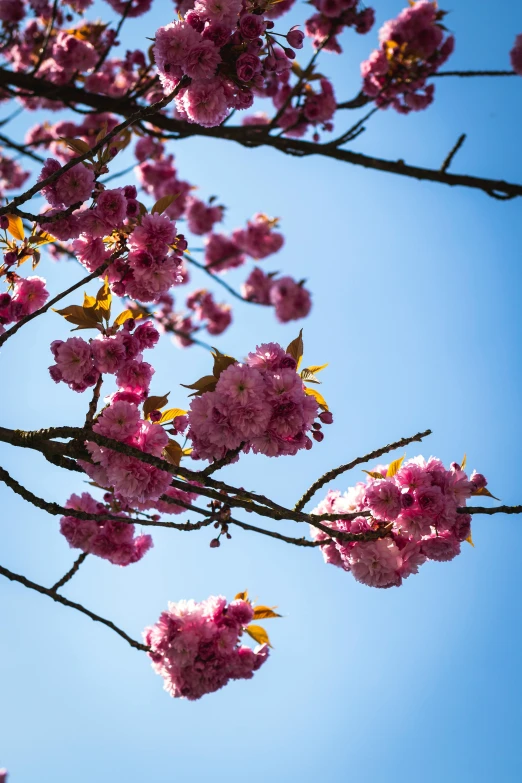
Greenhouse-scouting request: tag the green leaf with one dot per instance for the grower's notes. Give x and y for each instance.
(241, 596)
(154, 404)
(296, 348)
(264, 612)
(394, 467)
(258, 634)
(485, 492)
(15, 227)
(374, 474)
(171, 414)
(318, 397)
(173, 452)
(163, 203)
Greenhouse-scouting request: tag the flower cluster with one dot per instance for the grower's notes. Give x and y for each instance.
(258, 240)
(412, 48)
(79, 363)
(28, 295)
(111, 540)
(418, 506)
(291, 300)
(195, 646)
(332, 17)
(12, 176)
(261, 405)
(227, 52)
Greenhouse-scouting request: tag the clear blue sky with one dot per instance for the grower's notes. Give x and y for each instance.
(416, 308)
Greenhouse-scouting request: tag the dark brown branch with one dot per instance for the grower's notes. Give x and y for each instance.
(473, 73)
(70, 573)
(73, 605)
(489, 511)
(451, 154)
(22, 148)
(220, 281)
(117, 32)
(253, 137)
(221, 463)
(332, 474)
(93, 403)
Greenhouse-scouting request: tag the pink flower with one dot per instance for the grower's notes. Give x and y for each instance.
(75, 185)
(108, 353)
(223, 11)
(11, 11)
(202, 60)
(135, 376)
(240, 384)
(384, 499)
(74, 360)
(119, 421)
(90, 252)
(441, 547)
(376, 563)
(256, 287)
(204, 102)
(200, 217)
(516, 55)
(111, 206)
(291, 300)
(29, 295)
(73, 54)
(154, 235)
(137, 7)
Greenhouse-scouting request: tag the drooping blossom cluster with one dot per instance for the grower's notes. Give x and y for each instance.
(228, 53)
(260, 405)
(332, 17)
(419, 507)
(114, 541)
(291, 300)
(412, 47)
(196, 647)
(516, 55)
(79, 363)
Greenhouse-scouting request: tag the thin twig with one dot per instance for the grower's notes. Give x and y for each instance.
(220, 281)
(451, 154)
(93, 403)
(117, 32)
(73, 605)
(332, 474)
(70, 573)
(21, 148)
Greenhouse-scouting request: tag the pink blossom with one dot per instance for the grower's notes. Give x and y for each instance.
(74, 360)
(75, 185)
(202, 60)
(138, 7)
(29, 295)
(108, 353)
(73, 54)
(376, 563)
(154, 235)
(11, 11)
(135, 376)
(204, 102)
(119, 421)
(384, 499)
(291, 300)
(111, 206)
(91, 252)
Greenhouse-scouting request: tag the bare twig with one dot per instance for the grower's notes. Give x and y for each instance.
(451, 154)
(93, 403)
(220, 281)
(332, 474)
(70, 573)
(72, 604)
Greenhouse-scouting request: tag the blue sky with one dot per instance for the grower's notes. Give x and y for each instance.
(416, 308)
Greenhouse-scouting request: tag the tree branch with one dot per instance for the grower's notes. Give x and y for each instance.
(253, 137)
(70, 573)
(72, 604)
(332, 474)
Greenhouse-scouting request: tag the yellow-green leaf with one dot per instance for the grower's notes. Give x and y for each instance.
(470, 540)
(394, 467)
(187, 452)
(374, 474)
(463, 463)
(163, 203)
(154, 404)
(104, 299)
(207, 383)
(318, 397)
(173, 452)
(317, 367)
(296, 348)
(124, 316)
(77, 145)
(308, 376)
(258, 634)
(42, 238)
(171, 414)
(15, 227)
(74, 314)
(264, 612)
(241, 596)
(221, 362)
(89, 301)
(484, 491)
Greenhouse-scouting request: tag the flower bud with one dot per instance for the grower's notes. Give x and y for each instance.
(318, 436)
(326, 417)
(295, 39)
(214, 543)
